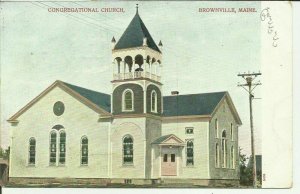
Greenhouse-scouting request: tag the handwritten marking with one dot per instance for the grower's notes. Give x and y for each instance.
(266, 16)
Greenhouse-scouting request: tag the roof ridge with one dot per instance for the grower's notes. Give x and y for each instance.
(196, 94)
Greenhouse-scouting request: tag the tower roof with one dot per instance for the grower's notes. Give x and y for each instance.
(135, 34)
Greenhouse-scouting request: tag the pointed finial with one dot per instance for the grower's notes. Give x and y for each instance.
(160, 43)
(137, 8)
(113, 40)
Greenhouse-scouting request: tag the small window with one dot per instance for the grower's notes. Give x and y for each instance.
(165, 157)
(216, 128)
(62, 147)
(224, 149)
(232, 157)
(84, 151)
(172, 157)
(58, 108)
(190, 153)
(231, 131)
(217, 156)
(127, 150)
(32, 147)
(189, 130)
(153, 101)
(53, 148)
(128, 100)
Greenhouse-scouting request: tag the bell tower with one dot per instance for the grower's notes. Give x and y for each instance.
(136, 71)
(136, 100)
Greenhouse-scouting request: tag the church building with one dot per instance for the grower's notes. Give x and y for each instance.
(135, 135)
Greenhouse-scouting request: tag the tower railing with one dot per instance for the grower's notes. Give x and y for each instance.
(136, 75)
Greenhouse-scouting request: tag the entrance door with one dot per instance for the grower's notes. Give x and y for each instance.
(169, 164)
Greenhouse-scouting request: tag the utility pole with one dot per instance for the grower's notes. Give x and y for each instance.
(249, 86)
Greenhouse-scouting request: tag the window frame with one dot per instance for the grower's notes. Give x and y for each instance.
(29, 152)
(232, 157)
(217, 155)
(186, 153)
(216, 126)
(123, 151)
(224, 149)
(50, 146)
(124, 109)
(59, 148)
(155, 101)
(81, 149)
(231, 132)
(186, 130)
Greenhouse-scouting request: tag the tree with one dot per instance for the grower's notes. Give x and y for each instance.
(4, 153)
(246, 178)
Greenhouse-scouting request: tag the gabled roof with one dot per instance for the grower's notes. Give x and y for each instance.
(134, 35)
(164, 140)
(97, 101)
(204, 104)
(180, 105)
(192, 104)
(100, 99)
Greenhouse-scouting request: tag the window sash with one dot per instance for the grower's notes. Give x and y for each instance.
(32, 151)
(52, 148)
(127, 150)
(84, 151)
(62, 148)
(190, 153)
(128, 100)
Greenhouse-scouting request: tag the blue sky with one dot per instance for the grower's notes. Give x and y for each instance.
(203, 52)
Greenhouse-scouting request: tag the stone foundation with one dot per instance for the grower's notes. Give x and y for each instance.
(101, 182)
(28, 181)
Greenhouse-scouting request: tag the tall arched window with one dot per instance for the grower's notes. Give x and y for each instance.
(189, 153)
(232, 157)
(62, 147)
(231, 131)
(32, 147)
(84, 151)
(127, 100)
(153, 101)
(53, 148)
(217, 156)
(216, 128)
(224, 148)
(127, 150)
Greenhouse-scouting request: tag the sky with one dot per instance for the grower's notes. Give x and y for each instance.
(203, 52)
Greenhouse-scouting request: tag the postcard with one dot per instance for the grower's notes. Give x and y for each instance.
(146, 94)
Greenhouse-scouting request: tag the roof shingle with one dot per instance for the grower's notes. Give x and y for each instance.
(192, 104)
(100, 99)
(134, 35)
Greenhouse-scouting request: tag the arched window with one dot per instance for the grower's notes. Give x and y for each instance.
(32, 145)
(232, 157)
(224, 148)
(62, 147)
(216, 128)
(189, 153)
(127, 150)
(53, 148)
(153, 101)
(128, 100)
(231, 131)
(84, 151)
(217, 156)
